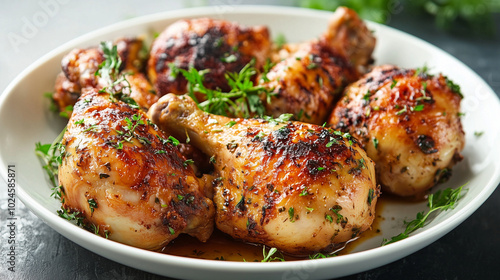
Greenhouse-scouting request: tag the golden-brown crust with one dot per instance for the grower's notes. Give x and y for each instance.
(309, 77)
(80, 65)
(279, 184)
(217, 45)
(145, 193)
(308, 82)
(408, 123)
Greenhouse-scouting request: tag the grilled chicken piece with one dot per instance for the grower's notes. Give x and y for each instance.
(298, 187)
(126, 181)
(311, 75)
(408, 122)
(217, 45)
(79, 67)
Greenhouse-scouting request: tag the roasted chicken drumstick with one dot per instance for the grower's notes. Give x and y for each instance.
(408, 122)
(205, 44)
(126, 180)
(79, 69)
(309, 77)
(298, 187)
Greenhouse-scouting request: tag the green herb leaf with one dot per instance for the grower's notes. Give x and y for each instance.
(92, 204)
(231, 123)
(454, 87)
(268, 256)
(304, 192)
(51, 156)
(243, 100)
(440, 201)
(291, 213)
(375, 143)
(320, 256)
(280, 40)
(418, 108)
(394, 83)
(188, 162)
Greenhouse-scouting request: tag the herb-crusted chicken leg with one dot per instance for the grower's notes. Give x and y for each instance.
(79, 72)
(217, 46)
(298, 187)
(310, 76)
(126, 180)
(408, 122)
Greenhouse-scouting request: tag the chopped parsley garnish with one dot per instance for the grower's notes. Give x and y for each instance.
(371, 196)
(66, 113)
(243, 100)
(171, 230)
(394, 83)
(212, 160)
(71, 216)
(170, 140)
(229, 59)
(188, 162)
(331, 142)
(366, 97)
(231, 123)
(418, 108)
(454, 87)
(109, 70)
(320, 256)
(329, 218)
(400, 112)
(291, 214)
(283, 118)
(92, 204)
(280, 40)
(336, 209)
(375, 143)
(304, 192)
(421, 71)
(80, 122)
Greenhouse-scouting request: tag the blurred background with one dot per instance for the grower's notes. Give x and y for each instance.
(32, 28)
(467, 29)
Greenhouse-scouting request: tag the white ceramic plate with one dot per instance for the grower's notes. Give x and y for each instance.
(24, 120)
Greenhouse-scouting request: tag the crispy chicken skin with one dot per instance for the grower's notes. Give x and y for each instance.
(408, 122)
(298, 187)
(217, 45)
(307, 83)
(126, 180)
(309, 77)
(79, 67)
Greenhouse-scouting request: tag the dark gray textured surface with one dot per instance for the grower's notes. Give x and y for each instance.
(471, 251)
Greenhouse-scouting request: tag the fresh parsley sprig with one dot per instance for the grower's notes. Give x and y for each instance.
(440, 201)
(51, 156)
(109, 69)
(118, 86)
(243, 100)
